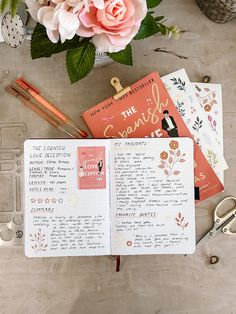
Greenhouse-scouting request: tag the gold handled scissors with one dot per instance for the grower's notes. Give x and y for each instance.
(221, 223)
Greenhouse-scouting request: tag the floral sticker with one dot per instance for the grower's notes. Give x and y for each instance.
(212, 123)
(207, 107)
(179, 83)
(181, 222)
(169, 160)
(212, 158)
(180, 108)
(208, 100)
(38, 240)
(197, 124)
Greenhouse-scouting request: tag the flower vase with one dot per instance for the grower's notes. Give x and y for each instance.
(101, 59)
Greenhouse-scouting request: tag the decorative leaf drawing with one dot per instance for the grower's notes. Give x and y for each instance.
(212, 123)
(197, 124)
(180, 108)
(176, 172)
(39, 239)
(179, 83)
(166, 172)
(206, 89)
(180, 221)
(198, 89)
(212, 158)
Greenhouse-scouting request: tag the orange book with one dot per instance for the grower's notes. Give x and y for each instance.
(148, 111)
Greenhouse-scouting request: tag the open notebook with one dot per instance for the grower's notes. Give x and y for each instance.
(102, 197)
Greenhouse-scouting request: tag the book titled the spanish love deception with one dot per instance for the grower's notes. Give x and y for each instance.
(147, 110)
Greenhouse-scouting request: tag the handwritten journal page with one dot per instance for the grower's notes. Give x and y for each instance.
(152, 196)
(67, 198)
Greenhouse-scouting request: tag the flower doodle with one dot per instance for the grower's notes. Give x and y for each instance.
(169, 161)
(164, 155)
(174, 145)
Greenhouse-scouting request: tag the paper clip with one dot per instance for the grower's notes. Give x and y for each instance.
(120, 90)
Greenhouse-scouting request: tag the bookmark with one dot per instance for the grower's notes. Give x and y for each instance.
(117, 263)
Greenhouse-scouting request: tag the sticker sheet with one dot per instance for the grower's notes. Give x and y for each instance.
(186, 102)
(210, 99)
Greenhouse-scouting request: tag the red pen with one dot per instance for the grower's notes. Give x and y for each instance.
(35, 93)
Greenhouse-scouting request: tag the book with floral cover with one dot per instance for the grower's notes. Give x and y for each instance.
(147, 110)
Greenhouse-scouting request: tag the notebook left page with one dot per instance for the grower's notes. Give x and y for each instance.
(66, 198)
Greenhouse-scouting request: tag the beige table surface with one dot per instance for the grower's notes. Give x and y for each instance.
(146, 284)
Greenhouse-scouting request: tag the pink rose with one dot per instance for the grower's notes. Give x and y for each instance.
(114, 26)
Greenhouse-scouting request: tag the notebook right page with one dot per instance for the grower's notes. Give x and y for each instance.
(152, 196)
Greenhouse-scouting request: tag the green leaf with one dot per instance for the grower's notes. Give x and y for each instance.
(14, 5)
(41, 45)
(153, 3)
(163, 29)
(148, 28)
(123, 56)
(158, 18)
(4, 4)
(80, 61)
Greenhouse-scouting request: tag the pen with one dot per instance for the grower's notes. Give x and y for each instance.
(35, 93)
(14, 92)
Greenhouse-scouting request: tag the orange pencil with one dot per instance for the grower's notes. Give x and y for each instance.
(35, 93)
(14, 92)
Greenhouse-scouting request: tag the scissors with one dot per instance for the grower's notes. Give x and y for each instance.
(221, 223)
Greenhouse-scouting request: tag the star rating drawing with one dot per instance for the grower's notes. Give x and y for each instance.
(47, 200)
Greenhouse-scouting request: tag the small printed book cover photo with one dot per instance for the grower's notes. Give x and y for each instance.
(147, 110)
(92, 168)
